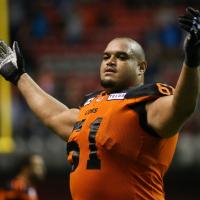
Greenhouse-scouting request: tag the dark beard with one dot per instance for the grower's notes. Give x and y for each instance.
(107, 84)
(112, 86)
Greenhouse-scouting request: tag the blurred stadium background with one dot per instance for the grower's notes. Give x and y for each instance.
(62, 42)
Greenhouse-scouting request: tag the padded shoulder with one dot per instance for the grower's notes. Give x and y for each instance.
(89, 96)
(155, 90)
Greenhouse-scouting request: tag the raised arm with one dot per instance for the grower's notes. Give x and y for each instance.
(167, 114)
(51, 112)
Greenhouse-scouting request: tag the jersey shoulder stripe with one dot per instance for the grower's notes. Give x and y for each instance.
(154, 89)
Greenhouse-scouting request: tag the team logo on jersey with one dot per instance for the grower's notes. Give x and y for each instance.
(116, 96)
(99, 99)
(88, 101)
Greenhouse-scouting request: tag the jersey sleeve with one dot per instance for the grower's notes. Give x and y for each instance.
(165, 89)
(151, 92)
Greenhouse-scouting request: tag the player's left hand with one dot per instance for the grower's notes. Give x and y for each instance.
(191, 24)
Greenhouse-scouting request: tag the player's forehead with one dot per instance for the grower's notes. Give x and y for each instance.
(119, 45)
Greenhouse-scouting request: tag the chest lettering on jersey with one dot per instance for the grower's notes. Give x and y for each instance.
(93, 110)
(73, 149)
(116, 96)
(93, 162)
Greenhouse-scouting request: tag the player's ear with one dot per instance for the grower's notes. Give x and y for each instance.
(142, 66)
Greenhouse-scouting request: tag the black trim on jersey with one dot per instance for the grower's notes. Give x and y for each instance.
(132, 92)
(144, 90)
(142, 113)
(78, 125)
(90, 95)
(73, 146)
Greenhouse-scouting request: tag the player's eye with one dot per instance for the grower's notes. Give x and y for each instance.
(122, 56)
(106, 56)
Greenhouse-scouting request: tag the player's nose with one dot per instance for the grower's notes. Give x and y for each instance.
(111, 61)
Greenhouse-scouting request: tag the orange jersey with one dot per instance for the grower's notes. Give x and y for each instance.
(18, 190)
(114, 154)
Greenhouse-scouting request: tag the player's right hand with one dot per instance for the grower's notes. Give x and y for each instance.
(11, 62)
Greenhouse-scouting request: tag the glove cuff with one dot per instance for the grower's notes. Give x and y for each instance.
(191, 64)
(11, 73)
(16, 78)
(192, 51)
(192, 59)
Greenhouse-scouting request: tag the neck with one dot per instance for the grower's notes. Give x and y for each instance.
(116, 90)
